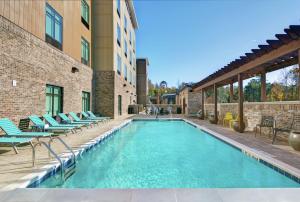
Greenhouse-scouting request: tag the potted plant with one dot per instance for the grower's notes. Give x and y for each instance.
(236, 126)
(294, 140)
(211, 118)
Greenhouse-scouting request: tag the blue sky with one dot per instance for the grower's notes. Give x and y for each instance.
(186, 40)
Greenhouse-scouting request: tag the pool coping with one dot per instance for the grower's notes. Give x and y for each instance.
(34, 179)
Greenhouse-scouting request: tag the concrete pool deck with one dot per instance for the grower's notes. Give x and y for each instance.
(151, 195)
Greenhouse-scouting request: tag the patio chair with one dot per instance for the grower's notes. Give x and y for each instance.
(266, 122)
(77, 119)
(287, 128)
(15, 141)
(54, 123)
(198, 114)
(41, 126)
(67, 120)
(87, 117)
(228, 117)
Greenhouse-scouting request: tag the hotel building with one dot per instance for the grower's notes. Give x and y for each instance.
(45, 57)
(114, 56)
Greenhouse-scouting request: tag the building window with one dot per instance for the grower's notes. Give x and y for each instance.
(125, 72)
(119, 64)
(119, 105)
(130, 77)
(118, 35)
(54, 27)
(118, 7)
(85, 13)
(54, 100)
(86, 101)
(125, 24)
(125, 47)
(130, 37)
(85, 52)
(130, 57)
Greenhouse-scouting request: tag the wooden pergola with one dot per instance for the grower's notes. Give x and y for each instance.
(274, 55)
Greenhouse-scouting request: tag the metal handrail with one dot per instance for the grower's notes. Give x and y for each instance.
(50, 150)
(53, 153)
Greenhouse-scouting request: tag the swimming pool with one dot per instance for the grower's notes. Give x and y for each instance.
(169, 154)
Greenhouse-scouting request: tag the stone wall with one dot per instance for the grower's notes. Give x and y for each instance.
(253, 111)
(194, 102)
(33, 63)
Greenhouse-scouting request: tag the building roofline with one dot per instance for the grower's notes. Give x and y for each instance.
(147, 60)
(132, 14)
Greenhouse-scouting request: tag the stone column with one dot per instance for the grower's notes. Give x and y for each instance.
(263, 97)
(299, 74)
(231, 92)
(202, 103)
(241, 104)
(216, 103)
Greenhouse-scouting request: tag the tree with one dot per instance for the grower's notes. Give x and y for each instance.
(277, 92)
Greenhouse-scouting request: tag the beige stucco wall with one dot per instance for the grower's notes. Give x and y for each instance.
(108, 84)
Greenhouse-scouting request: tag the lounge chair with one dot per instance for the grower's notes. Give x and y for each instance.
(12, 130)
(92, 115)
(67, 120)
(15, 141)
(227, 119)
(77, 119)
(54, 123)
(40, 125)
(87, 117)
(266, 122)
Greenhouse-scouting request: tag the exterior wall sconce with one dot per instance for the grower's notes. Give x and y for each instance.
(75, 69)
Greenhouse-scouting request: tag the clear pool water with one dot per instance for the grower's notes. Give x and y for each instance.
(168, 154)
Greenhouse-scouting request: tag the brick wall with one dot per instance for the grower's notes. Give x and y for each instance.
(32, 63)
(253, 111)
(107, 86)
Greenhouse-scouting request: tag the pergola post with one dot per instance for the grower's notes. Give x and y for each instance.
(202, 103)
(263, 96)
(216, 103)
(299, 74)
(231, 92)
(241, 104)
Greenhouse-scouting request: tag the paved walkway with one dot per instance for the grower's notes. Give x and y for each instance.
(15, 167)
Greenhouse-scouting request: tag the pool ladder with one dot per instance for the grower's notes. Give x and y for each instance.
(65, 171)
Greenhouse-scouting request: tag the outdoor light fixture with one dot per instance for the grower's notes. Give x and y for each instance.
(75, 69)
